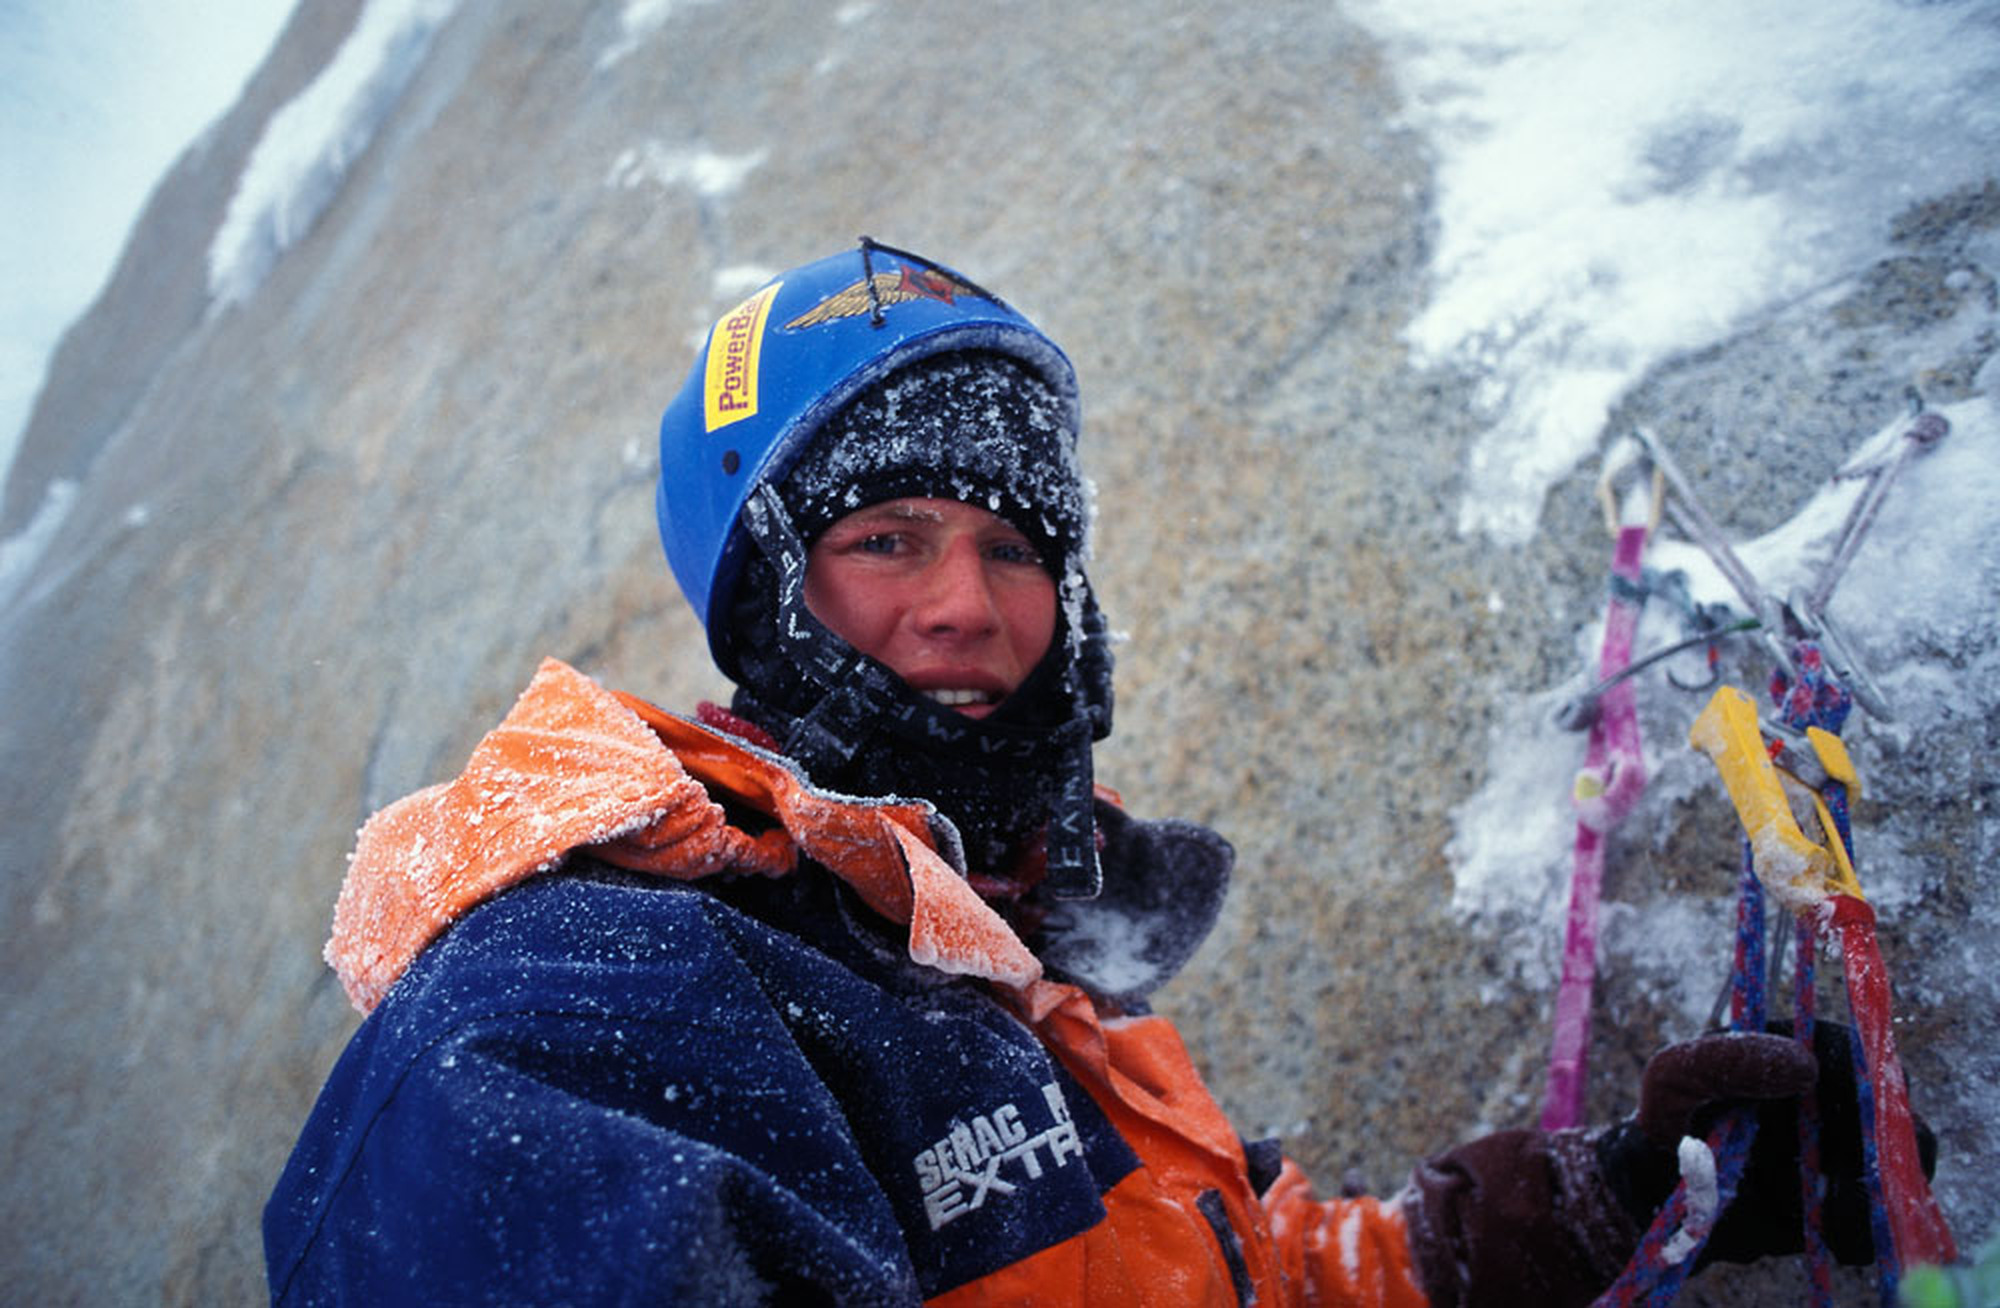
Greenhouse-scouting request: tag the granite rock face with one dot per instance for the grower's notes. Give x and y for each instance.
(322, 537)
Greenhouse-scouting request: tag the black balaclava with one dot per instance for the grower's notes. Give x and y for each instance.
(981, 428)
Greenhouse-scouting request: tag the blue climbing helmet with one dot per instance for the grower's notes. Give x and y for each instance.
(777, 366)
(797, 409)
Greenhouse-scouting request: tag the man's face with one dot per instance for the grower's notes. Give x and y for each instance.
(952, 598)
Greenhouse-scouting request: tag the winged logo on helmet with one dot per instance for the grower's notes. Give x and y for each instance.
(899, 287)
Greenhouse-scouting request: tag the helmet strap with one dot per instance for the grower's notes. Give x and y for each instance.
(826, 738)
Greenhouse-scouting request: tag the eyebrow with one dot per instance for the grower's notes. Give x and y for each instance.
(899, 513)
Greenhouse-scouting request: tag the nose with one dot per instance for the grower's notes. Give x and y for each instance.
(957, 597)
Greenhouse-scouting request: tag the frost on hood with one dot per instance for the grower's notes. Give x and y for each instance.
(975, 426)
(1163, 887)
(573, 765)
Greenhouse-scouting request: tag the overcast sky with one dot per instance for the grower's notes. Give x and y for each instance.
(97, 98)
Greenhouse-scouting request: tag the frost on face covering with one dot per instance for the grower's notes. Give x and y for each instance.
(1164, 883)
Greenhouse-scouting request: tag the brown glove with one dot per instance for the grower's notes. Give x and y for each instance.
(1517, 1217)
(1679, 1095)
(1551, 1218)
(1686, 1082)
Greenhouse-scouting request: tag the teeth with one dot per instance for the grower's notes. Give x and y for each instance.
(957, 698)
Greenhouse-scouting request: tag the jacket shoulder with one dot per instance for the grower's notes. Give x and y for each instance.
(706, 1071)
(579, 1083)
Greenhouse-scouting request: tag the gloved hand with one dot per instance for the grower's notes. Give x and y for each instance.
(1686, 1087)
(1552, 1217)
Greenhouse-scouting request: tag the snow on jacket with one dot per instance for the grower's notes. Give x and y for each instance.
(848, 1085)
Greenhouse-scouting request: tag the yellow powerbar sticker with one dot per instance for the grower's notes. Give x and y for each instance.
(729, 386)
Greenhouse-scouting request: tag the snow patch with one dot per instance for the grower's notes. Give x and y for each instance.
(1619, 183)
(735, 281)
(637, 22)
(1511, 838)
(308, 147)
(706, 173)
(20, 552)
(1676, 947)
(1111, 949)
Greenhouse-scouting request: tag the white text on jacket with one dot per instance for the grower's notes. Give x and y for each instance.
(959, 1171)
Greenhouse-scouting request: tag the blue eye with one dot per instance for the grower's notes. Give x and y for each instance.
(878, 544)
(1014, 552)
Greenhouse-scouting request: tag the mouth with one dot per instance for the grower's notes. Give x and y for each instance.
(962, 698)
(969, 691)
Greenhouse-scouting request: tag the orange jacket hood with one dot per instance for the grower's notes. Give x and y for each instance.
(575, 766)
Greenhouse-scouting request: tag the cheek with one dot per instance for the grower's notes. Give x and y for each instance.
(1031, 620)
(843, 601)
(859, 605)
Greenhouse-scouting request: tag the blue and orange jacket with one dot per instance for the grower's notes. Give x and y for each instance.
(826, 1073)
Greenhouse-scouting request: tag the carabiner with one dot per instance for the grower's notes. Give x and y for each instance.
(1801, 872)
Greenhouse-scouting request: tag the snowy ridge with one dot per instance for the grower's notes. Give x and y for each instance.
(1620, 183)
(308, 146)
(1916, 604)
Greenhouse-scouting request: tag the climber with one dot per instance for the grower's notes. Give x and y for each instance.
(839, 994)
